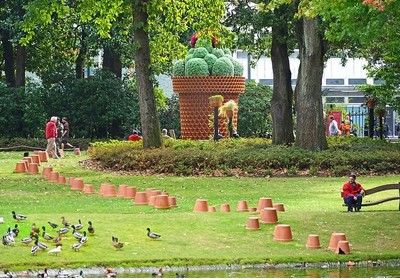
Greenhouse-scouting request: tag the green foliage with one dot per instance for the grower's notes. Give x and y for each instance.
(200, 52)
(227, 51)
(210, 59)
(237, 68)
(179, 68)
(196, 67)
(223, 67)
(169, 115)
(218, 53)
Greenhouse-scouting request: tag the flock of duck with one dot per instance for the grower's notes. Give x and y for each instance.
(78, 233)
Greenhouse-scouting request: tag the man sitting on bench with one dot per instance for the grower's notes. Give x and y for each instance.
(353, 194)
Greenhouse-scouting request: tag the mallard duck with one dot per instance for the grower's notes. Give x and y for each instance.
(62, 274)
(53, 225)
(65, 222)
(35, 229)
(79, 226)
(56, 250)
(110, 273)
(41, 245)
(158, 274)
(46, 235)
(57, 240)
(76, 246)
(8, 240)
(153, 235)
(116, 243)
(177, 275)
(80, 275)
(84, 238)
(76, 234)
(35, 248)
(8, 274)
(27, 240)
(15, 231)
(63, 231)
(43, 274)
(18, 217)
(90, 228)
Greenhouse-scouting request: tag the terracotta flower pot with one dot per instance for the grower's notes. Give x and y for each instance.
(77, 151)
(36, 152)
(61, 179)
(20, 167)
(194, 93)
(225, 208)
(201, 205)
(46, 171)
(71, 181)
(283, 233)
(109, 191)
(264, 202)
(33, 168)
(53, 176)
(36, 159)
(162, 202)
(172, 201)
(279, 207)
(152, 200)
(252, 209)
(212, 209)
(130, 192)
(343, 247)
(44, 156)
(121, 190)
(88, 189)
(253, 223)
(29, 159)
(77, 184)
(242, 206)
(141, 198)
(335, 238)
(313, 241)
(103, 186)
(155, 192)
(269, 215)
(148, 192)
(26, 163)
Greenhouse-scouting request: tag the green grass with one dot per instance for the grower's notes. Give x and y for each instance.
(313, 206)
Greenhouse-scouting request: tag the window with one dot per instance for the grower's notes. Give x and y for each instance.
(242, 55)
(335, 81)
(360, 99)
(357, 81)
(378, 82)
(268, 82)
(334, 100)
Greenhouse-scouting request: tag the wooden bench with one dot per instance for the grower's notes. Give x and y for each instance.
(379, 189)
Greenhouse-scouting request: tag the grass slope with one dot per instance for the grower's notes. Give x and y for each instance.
(313, 206)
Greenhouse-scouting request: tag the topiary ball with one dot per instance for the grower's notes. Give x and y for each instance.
(200, 52)
(196, 67)
(237, 66)
(179, 68)
(202, 42)
(218, 53)
(188, 57)
(210, 59)
(223, 67)
(227, 51)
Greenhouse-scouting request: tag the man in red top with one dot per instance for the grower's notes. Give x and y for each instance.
(134, 136)
(353, 194)
(51, 135)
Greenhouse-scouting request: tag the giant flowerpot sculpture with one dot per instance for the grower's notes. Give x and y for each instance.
(194, 106)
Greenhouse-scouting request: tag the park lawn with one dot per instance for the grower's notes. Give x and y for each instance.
(313, 206)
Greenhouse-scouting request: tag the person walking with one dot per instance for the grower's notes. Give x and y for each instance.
(51, 135)
(333, 127)
(60, 131)
(65, 135)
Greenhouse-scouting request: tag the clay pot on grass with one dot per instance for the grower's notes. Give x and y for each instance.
(335, 238)
(20, 167)
(109, 191)
(61, 180)
(44, 156)
(343, 247)
(121, 190)
(33, 168)
(53, 176)
(253, 223)
(201, 205)
(172, 201)
(264, 202)
(36, 159)
(280, 207)
(46, 171)
(269, 216)
(313, 241)
(242, 206)
(141, 198)
(130, 192)
(283, 233)
(161, 202)
(88, 189)
(77, 184)
(225, 208)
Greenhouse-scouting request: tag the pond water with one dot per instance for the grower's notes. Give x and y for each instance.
(340, 272)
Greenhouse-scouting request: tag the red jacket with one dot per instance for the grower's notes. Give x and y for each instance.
(51, 130)
(134, 137)
(349, 189)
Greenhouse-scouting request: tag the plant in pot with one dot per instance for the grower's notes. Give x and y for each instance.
(206, 70)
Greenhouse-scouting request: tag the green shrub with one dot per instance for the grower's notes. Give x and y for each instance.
(196, 67)
(200, 52)
(223, 67)
(210, 59)
(227, 51)
(218, 53)
(202, 42)
(179, 68)
(237, 68)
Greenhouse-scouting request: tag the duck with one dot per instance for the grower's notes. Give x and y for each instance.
(158, 274)
(8, 240)
(153, 235)
(90, 228)
(110, 273)
(62, 274)
(65, 222)
(177, 275)
(56, 250)
(18, 217)
(79, 226)
(15, 231)
(41, 245)
(63, 231)
(80, 275)
(8, 274)
(28, 239)
(116, 243)
(84, 238)
(46, 235)
(76, 246)
(76, 234)
(35, 248)
(53, 225)
(35, 229)
(43, 274)
(57, 240)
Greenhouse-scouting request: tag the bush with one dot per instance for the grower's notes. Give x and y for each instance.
(210, 59)
(200, 52)
(179, 68)
(223, 67)
(196, 67)
(218, 53)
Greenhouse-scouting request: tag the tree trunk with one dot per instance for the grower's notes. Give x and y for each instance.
(112, 62)
(8, 56)
(282, 94)
(80, 60)
(310, 132)
(20, 66)
(150, 125)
